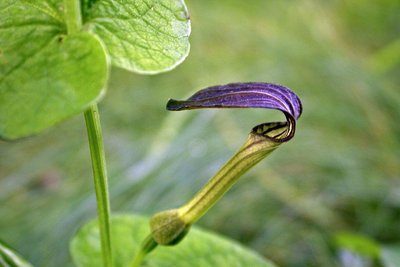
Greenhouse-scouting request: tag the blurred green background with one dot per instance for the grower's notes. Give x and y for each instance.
(330, 197)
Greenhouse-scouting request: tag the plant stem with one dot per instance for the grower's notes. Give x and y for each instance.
(100, 181)
(146, 247)
(73, 18)
(137, 261)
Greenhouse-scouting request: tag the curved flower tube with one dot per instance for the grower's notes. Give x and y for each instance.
(169, 227)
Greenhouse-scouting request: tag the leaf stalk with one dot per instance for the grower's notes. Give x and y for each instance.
(73, 17)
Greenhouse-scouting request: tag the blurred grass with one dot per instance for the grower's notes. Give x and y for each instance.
(340, 173)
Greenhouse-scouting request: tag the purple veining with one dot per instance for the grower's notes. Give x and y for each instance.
(243, 95)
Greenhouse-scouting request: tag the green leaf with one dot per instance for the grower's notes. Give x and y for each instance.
(390, 256)
(9, 258)
(45, 75)
(199, 248)
(144, 36)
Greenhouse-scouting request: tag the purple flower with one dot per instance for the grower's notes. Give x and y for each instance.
(170, 226)
(249, 95)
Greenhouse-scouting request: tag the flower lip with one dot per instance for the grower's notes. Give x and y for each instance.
(243, 95)
(246, 95)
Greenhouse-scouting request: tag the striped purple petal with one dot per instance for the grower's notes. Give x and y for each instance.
(243, 95)
(246, 95)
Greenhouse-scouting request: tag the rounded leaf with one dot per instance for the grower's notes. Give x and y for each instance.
(60, 79)
(45, 75)
(144, 36)
(199, 248)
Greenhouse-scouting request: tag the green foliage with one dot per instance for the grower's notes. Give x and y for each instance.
(47, 76)
(143, 36)
(199, 248)
(9, 258)
(51, 83)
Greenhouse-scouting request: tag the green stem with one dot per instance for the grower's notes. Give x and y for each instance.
(147, 246)
(137, 261)
(100, 181)
(73, 18)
